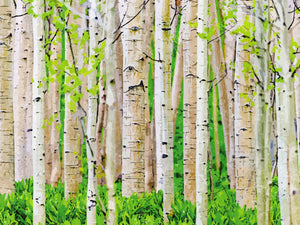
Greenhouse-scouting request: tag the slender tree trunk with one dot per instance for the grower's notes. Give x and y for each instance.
(288, 172)
(53, 93)
(71, 124)
(227, 93)
(243, 123)
(189, 45)
(133, 166)
(202, 123)
(38, 88)
(20, 73)
(112, 104)
(147, 18)
(163, 72)
(7, 175)
(91, 124)
(177, 82)
(262, 116)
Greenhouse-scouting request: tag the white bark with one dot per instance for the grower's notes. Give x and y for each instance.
(262, 117)
(202, 132)
(110, 56)
(38, 88)
(91, 124)
(133, 177)
(21, 55)
(288, 173)
(163, 69)
(7, 177)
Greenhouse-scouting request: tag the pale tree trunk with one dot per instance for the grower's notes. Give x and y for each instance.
(147, 18)
(119, 87)
(53, 93)
(202, 123)
(71, 123)
(20, 72)
(262, 116)
(163, 70)
(226, 92)
(91, 124)
(110, 56)
(177, 81)
(157, 104)
(295, 202)
(133, 178)
(189, 45)
(100, 126)
(7, 175)
(288, 173)
(244, 146)
(38, 87)
(217, 62)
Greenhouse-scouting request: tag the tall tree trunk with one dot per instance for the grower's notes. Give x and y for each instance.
(163, 70)
(147, 18)
(21, 55)
(110, 55)
(226, 90)
(71, 124)
(262, 116)
(133, 166)
(288, 172)
(189, 45)
(38, 88)
(243, 108)
(202, 123)
(53, 93)
(7, 175)
(92, 116)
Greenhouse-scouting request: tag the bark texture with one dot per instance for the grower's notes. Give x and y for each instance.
(189, 45)
(7, 175)
(133, 166)
(38, 88)
(202, 132)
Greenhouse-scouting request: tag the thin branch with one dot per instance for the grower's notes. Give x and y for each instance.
(24, 14)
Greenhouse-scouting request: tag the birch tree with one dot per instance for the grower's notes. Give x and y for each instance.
(38, 88)
(112, 114)
(189, 45)
(92, 115)
(288, 173)
(243, 109)
(163, 78)
(226, 92)
(22, 41)
(6, 105)
(202, 132)
(262, 113)
(133, 138)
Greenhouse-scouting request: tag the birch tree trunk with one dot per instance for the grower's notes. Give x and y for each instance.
(147, 18)
(54, 96)
(6, 104)
(21, 55)
(262, 115)
(133, 166)
(92, 115)
(112, 114)
(163, 73)
(189, 45)
(71, 124)
(226, 90)
(38, 88)
(202, 123)
(288, 173)
(243, 123)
